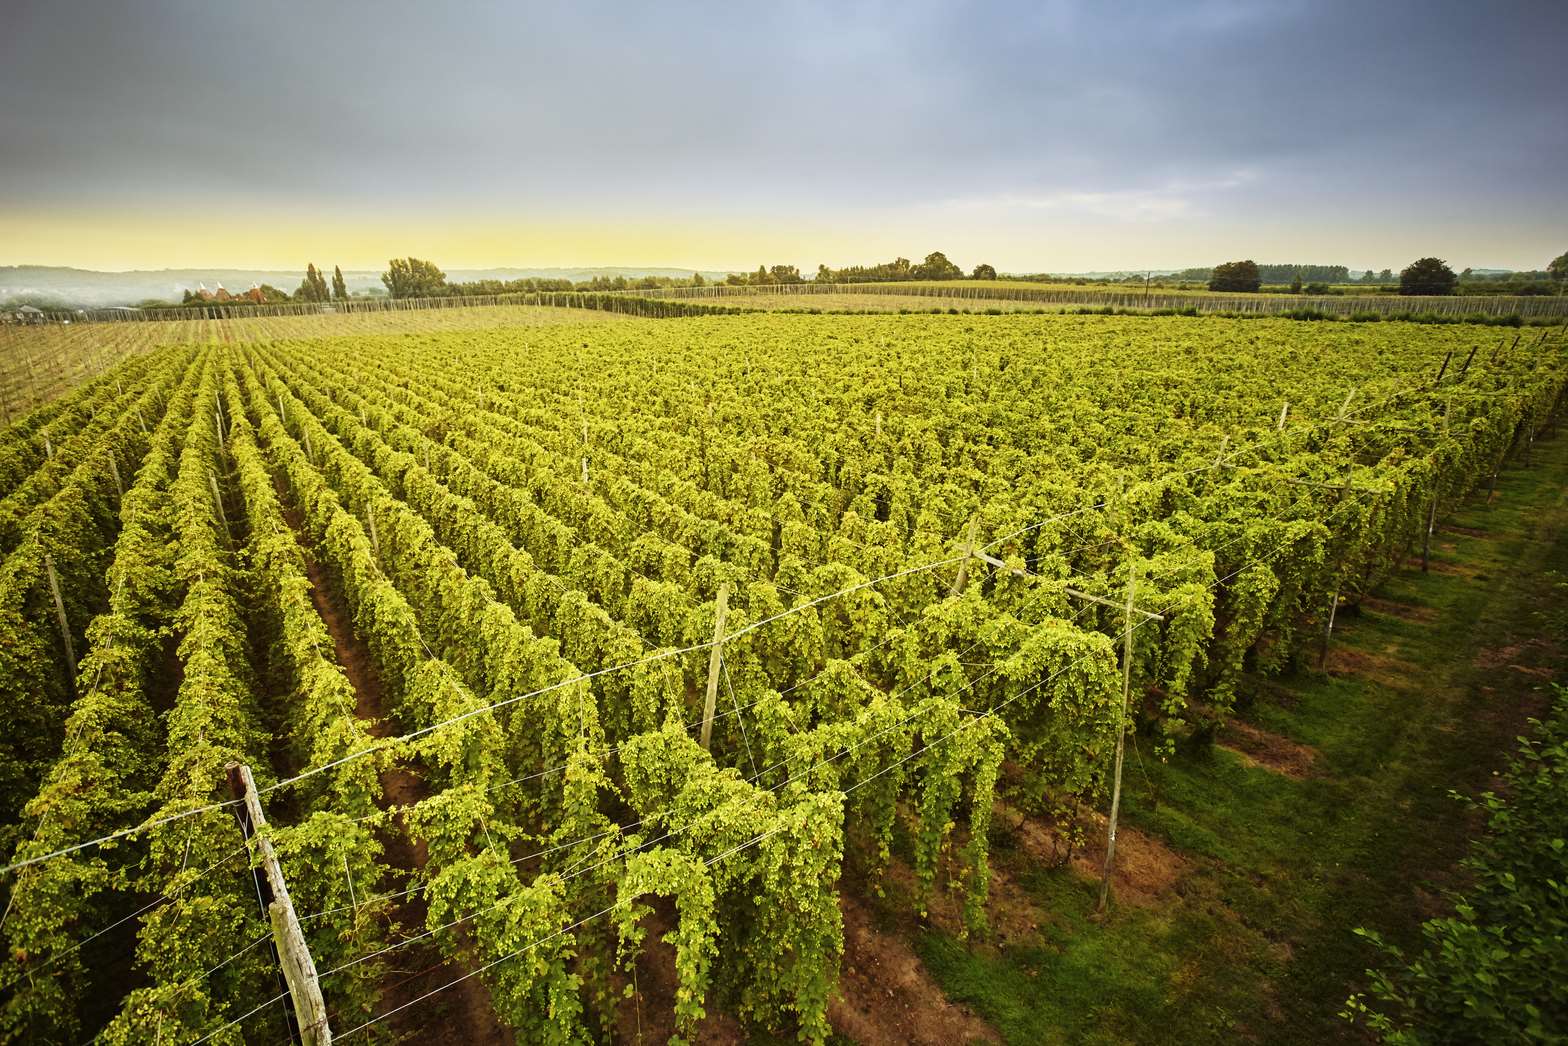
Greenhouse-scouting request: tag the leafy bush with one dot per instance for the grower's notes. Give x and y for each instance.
(1497, 969)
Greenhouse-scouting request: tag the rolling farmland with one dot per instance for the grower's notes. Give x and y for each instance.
(585, 664)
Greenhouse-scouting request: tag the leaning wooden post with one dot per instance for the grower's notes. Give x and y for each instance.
(1333, 600)
(715, 655)
(963, 567)
(114, 470)
(1466, 368)
(217, 500)
(1443, 369)
(1121, 740)
(1284, 412)
(299, 970)
(65, 624)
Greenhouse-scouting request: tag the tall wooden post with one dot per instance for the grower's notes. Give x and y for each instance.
(217, 501)
(1121, 740)
(715, 653)
(114, 471)
(1466, 368)
(1333, 600)
(64, 622)
(963, 567)
(299, 970)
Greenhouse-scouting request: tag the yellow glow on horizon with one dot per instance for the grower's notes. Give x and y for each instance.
(467, 236)
(287, 241)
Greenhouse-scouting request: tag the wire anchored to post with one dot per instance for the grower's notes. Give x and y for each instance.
(299, 970)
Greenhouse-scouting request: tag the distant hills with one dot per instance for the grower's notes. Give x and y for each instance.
(45, 285)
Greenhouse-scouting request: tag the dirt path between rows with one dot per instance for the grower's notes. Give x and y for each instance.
(461, 1013)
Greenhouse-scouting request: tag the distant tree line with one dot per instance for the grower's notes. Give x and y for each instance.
(419, 278)
(1424, 276)
(937, 266)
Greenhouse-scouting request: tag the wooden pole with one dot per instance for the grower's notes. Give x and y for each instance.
(114, 470)
(715, 653)
(299, 970)
(59, 609)
(1121, 741)
(1444, 368)
(1333, 600)
(963, 567)
(1464, 369)
(1284, 412)
(217, 500)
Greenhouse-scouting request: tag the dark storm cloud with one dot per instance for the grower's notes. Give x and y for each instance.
(1157, 108)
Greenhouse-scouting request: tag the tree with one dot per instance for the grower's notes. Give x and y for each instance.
(1295, 284)
(697, 280)
(314, 285)
(1236, 276)
(937, 267)
(339, 285)
(1559, 269)
(1386, 276)
(413, 278)
(824, 274)
(983, 272)
(1427, 276)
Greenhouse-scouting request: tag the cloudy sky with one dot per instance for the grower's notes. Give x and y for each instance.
(1036, 136)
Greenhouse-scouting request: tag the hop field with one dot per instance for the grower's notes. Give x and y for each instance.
(561, 650)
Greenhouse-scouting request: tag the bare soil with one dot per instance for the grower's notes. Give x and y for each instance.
(1269, 750)
(647, 1015)
(462, 1013)
(886, 997)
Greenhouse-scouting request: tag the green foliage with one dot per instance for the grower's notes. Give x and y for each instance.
(1427, 276)
(314, 287)
(1497, 969)
(494, 540)
(413, 278)
(1236, 276)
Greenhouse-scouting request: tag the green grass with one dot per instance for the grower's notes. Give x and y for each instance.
(1256, 941)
